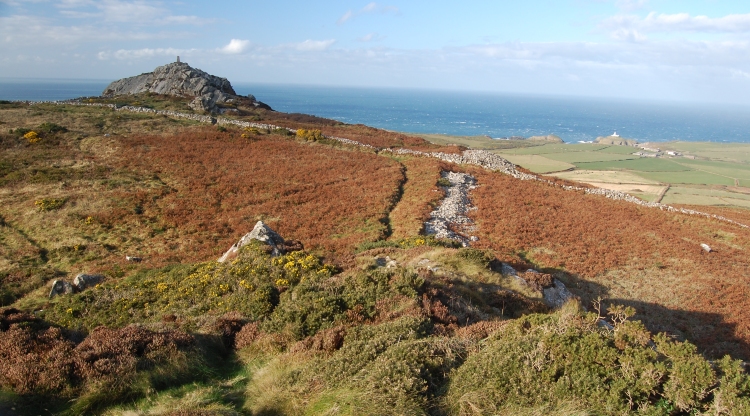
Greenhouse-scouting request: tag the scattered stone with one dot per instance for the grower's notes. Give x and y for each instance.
(60, 287)
(706, 248)
(260, 232)
(556, 295)
(453, 209)
(386, 262)
(83, 281)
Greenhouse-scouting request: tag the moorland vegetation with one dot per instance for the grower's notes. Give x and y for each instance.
(370, 316)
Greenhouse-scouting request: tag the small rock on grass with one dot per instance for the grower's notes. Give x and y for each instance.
(60, 287)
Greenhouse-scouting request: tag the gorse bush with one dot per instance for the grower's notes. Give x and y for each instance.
(49, 204)
(250, 285)
(552, 360)
(309, 135)
(32, 137)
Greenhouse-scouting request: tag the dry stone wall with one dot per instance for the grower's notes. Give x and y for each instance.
(482, 158)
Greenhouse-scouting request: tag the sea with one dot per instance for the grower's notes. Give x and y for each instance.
(496, 115)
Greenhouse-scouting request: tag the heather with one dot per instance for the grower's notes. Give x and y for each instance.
(362, 313)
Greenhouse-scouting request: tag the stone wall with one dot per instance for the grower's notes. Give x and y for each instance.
(482, 158)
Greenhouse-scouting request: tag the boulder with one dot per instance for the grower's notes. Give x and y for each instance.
(60, 287)
(260, 232)
(83, 280)
(706, 248)
(556, 295)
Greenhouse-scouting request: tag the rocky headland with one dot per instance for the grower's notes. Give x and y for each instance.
(615, 141)
(211, 94)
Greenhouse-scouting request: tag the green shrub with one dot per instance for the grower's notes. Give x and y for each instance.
(411, 242)
(548, 361)
(479, 257)
(49, 204)
(444, 182)
(51, 128)
(249, 285)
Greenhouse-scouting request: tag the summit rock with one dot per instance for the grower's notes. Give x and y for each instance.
(210, 93)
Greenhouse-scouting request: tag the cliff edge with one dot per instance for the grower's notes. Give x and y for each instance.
(179, 79)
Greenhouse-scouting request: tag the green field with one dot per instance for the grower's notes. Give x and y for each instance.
(537, 163)
(584, 157)
(728, 169)
(709, 175)
(727, 152)
(646, 164)
(688, 177)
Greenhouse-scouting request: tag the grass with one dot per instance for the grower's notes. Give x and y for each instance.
(728, 152)
(688, 177)
(639, 165)
(537, 163)
(435, 330)
(726, 169)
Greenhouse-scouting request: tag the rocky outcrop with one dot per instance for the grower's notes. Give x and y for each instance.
(210, 93)
(551, 138)
(260, 232)
(615, 141)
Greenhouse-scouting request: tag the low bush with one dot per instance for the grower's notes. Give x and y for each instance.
(309, 135)
(410, 242)
(49, 204)
(32, 137)
(249, 285)
(51, 128)
(443, 182)
(38, 359)
(549, 361)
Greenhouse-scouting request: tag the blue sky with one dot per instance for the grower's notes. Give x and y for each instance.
(688, 50)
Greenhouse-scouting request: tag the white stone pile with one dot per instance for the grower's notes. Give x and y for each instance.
(453, 209)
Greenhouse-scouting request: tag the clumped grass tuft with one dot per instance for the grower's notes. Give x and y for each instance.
(410, 242)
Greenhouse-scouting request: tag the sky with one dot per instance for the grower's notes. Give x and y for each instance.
(670, 50)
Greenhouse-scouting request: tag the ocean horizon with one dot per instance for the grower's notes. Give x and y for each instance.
(495, 115)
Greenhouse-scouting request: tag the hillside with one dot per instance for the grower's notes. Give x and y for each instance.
(363, 313)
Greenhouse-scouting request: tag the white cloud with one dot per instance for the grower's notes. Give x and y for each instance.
(314, 45)
(632, 26)
(119, 11)
(630, 5)
(630, 35)
(18, 31)
(134, 54)
(235, 46)
(368, 9)
(371, 37)
(346, 17)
